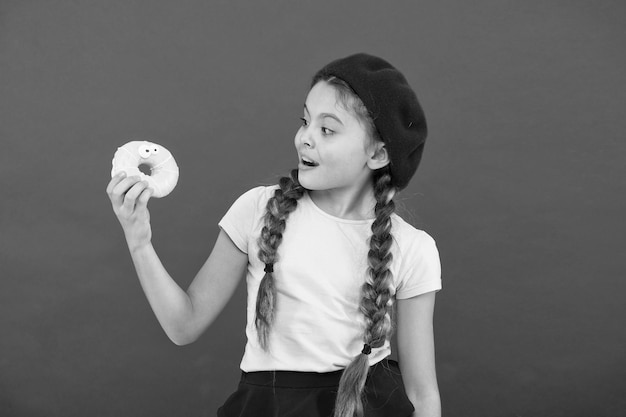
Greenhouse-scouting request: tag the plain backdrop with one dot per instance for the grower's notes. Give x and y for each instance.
(522, 185)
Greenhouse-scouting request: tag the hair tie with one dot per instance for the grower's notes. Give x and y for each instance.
(367, 349)
(269, 268)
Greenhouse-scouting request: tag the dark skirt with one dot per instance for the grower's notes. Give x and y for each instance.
(311, 394)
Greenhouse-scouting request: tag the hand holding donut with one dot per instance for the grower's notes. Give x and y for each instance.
(129, 197)
(129, 189)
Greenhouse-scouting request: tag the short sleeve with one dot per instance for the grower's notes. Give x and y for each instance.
(239, 221)
(420, 267)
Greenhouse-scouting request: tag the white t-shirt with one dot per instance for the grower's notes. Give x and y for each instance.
(321, 267)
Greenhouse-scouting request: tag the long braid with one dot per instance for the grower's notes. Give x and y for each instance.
(376, 302)
(284, 201)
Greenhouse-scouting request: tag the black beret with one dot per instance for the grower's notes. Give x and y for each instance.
(393, 105)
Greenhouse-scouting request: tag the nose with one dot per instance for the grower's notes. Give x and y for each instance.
(307, 139)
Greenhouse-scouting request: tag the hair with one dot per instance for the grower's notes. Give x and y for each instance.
(284, 201)
(376, 297)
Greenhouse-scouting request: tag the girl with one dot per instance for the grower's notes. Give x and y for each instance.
(325, 259)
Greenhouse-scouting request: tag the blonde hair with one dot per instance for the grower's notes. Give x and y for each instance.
(376, 296)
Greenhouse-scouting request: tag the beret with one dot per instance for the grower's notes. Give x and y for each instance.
(393, 106)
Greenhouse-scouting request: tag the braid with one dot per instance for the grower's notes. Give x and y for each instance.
(376, 301)
(284, 201)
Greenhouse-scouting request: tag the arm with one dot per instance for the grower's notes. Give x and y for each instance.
(184, 315)
(416, 353)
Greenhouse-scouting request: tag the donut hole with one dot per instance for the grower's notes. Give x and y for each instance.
(145, 168)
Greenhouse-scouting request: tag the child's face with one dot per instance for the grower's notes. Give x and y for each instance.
(334, 147)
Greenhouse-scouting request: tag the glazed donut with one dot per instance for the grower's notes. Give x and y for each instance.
(163, 169)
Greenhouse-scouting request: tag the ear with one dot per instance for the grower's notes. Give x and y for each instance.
(378, 156)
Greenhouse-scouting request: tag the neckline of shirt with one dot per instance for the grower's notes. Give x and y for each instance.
(334, 218)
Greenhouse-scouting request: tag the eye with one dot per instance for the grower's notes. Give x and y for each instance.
(304, 121)
(326, 131)
(145, 151)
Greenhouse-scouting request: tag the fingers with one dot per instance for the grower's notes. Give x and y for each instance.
(114, 181)
(131, 196)
(142, 201)
(119, 186)
(137, 197)
(125, 192)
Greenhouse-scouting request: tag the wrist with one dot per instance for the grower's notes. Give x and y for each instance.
(135, 247)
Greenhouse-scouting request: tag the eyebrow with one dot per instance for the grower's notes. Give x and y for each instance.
(325, 115)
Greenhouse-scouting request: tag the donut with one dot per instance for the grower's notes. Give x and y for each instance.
(163, 169)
